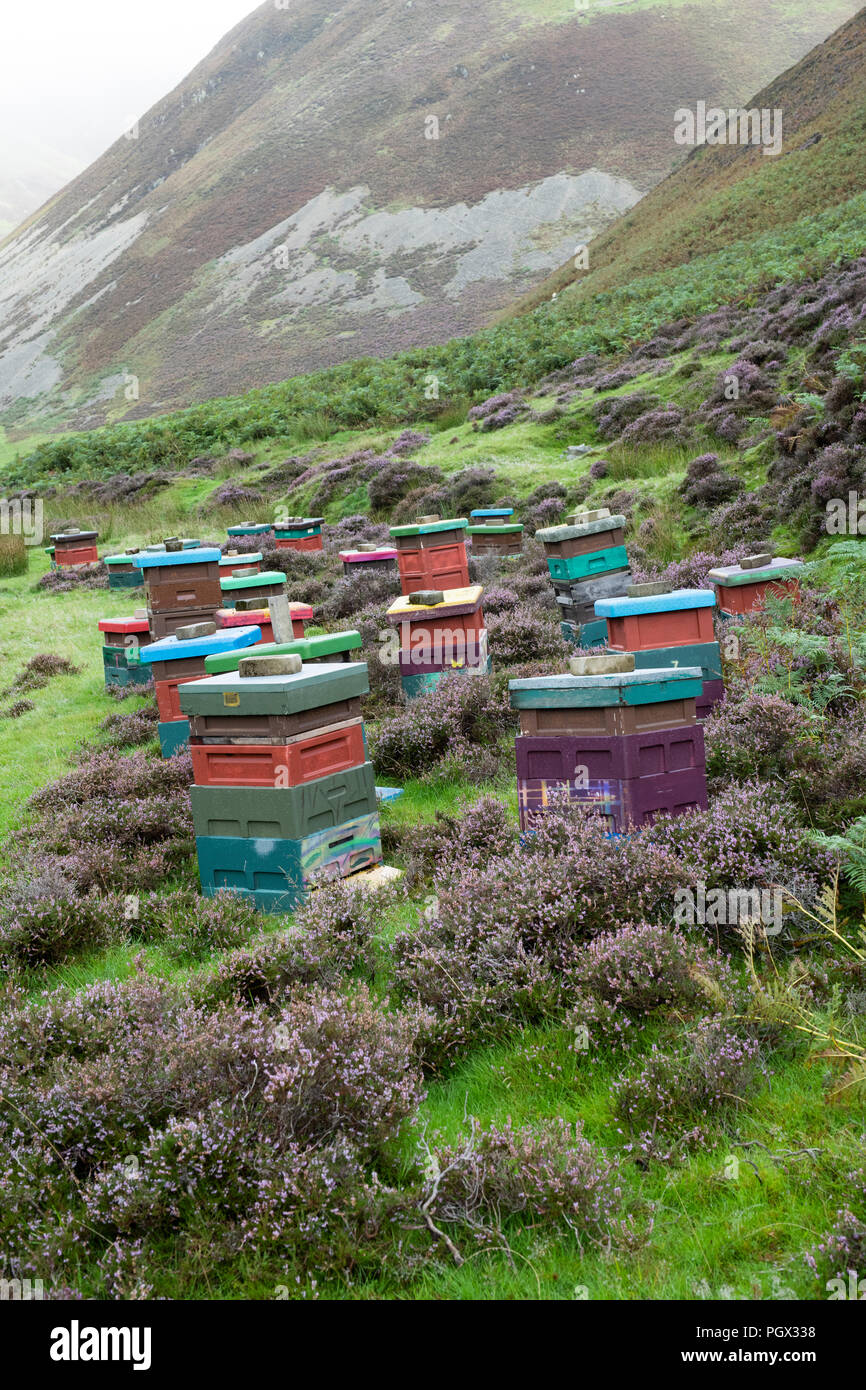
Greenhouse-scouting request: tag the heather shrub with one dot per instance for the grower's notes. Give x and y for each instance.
(129, 730)
(459, 716)
(499, 599)
(233, 495)
(842, 1249)
(708, 1073)
(665, 425)
(332, 936)
(39, 670)
(706, 483)
(755, 737)
(395, 479)
(46, 921)
(65, 579)
(550, 1172)
(189, 926)
(636, 971)
(523, 634)
(483, 827)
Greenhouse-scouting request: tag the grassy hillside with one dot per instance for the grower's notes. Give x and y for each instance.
(330, 184)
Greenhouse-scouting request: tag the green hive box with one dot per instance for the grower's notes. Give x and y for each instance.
(315, 685)
(307, 648)
(284, 813)
(587, 566)
(276, 873)
(706, 655)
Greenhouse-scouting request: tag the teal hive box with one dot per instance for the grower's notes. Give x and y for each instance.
(513, 529)
(127, 675)
(313, 527)
(594, 634)
(707, 655)
(425, 681)
(623, 688)
(314, 649)
(586, 634)
(578, 567)
(284, 813)
(277, 873)
(259, 528)
(324, 683)
(225, 640)
(173, 736)
(491, 513)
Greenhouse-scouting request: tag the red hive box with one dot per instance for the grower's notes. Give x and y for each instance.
(306, 758)
(684, 625)
(300, 543)
(167, 698)
(446, 633)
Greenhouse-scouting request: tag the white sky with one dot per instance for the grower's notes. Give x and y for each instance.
(75, 75)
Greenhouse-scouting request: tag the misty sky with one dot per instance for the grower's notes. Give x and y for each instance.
(74, 76)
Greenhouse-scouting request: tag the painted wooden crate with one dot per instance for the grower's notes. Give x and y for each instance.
(285, 813)
(740, 591)
(320, 753)
(276, 874)
(681, 618)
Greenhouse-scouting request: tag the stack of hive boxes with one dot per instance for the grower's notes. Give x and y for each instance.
(231, 561)
(122, 573)
(493, 532)
(284, 795)
(432, 554)
(179, 659)
(440, 631)
(255, 610)
(250, 528)
(587, 561)
(621, 743)
(249, 582)
(299, 533)
(183, 586)
(74, 547)
(369, 558)
(665, 627)
(744, 587)
(121, 643)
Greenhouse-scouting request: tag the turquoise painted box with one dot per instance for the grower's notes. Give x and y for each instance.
(577, 567)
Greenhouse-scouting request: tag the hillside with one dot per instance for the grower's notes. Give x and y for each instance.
(727, 193)
(283, 210)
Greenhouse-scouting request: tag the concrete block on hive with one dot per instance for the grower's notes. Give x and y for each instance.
(608, 664)
(321, 753)
(285, 813)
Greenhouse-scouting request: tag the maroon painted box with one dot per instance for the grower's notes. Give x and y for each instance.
(713, 692)
(637, 755)
(622, 802)
(193, 590)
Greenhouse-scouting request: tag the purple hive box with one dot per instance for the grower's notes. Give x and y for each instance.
(622, 802)
(625, 758)
(714, 691)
